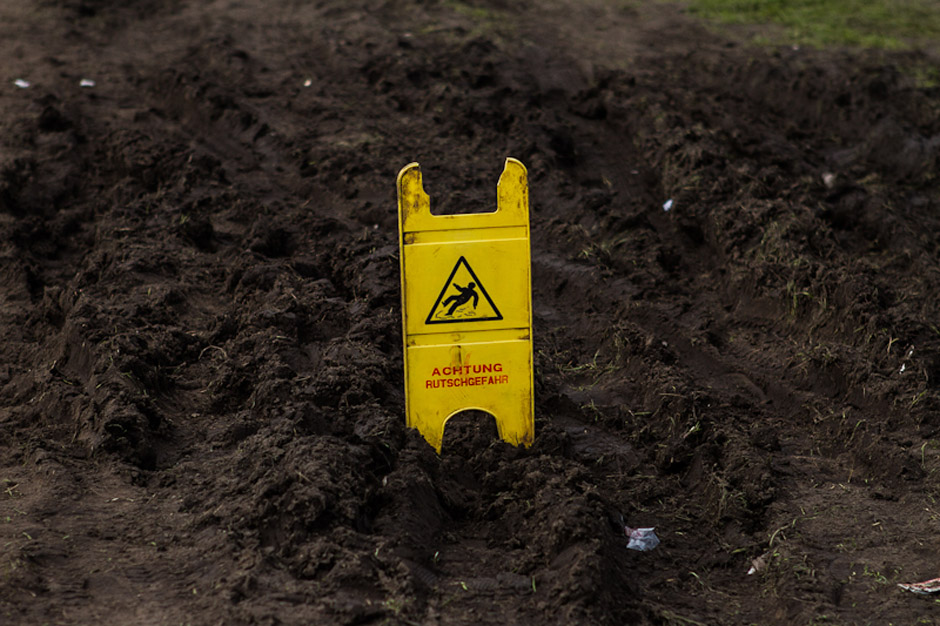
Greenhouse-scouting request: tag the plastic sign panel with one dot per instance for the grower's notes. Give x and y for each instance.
(466, 294)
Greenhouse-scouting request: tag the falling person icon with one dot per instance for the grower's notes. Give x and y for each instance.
(460, 299)
(456, 304)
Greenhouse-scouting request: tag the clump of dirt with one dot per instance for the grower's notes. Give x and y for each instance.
(200, 352)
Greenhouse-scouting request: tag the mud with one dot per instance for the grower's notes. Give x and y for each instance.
(201, 409)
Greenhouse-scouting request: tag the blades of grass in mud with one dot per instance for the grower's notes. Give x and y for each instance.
(869, 23)
(674, 619)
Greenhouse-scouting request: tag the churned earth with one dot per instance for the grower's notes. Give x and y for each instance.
(201, 405)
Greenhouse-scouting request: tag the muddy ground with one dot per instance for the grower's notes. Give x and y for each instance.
(201, 409)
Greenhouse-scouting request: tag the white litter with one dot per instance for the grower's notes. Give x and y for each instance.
(910, 353)
(667, 204)
(642, 539)
(308, 82)
(86, 82)
(757, 564)
(927, 587)
(22, 84)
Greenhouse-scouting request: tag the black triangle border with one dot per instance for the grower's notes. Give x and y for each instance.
(464, 320)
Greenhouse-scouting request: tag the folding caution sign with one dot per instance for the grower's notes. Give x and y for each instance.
(467, 309)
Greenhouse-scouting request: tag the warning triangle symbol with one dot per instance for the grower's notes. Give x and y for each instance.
(463, 299)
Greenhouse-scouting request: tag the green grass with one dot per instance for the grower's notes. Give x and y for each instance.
(889, 24)
(476, 13)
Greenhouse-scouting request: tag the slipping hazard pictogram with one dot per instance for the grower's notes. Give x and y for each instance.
(466, 294)
(463, 299)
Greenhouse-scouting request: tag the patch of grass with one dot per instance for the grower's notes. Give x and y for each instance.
(477, 13)
(671, 618)
(875, 575)
(394, 605)
(484, 22)
(592, 366)
(889, 24)
(604, 250)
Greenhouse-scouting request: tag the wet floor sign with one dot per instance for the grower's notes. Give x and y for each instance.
(467, 309)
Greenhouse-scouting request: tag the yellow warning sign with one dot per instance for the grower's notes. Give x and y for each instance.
(467, 309)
